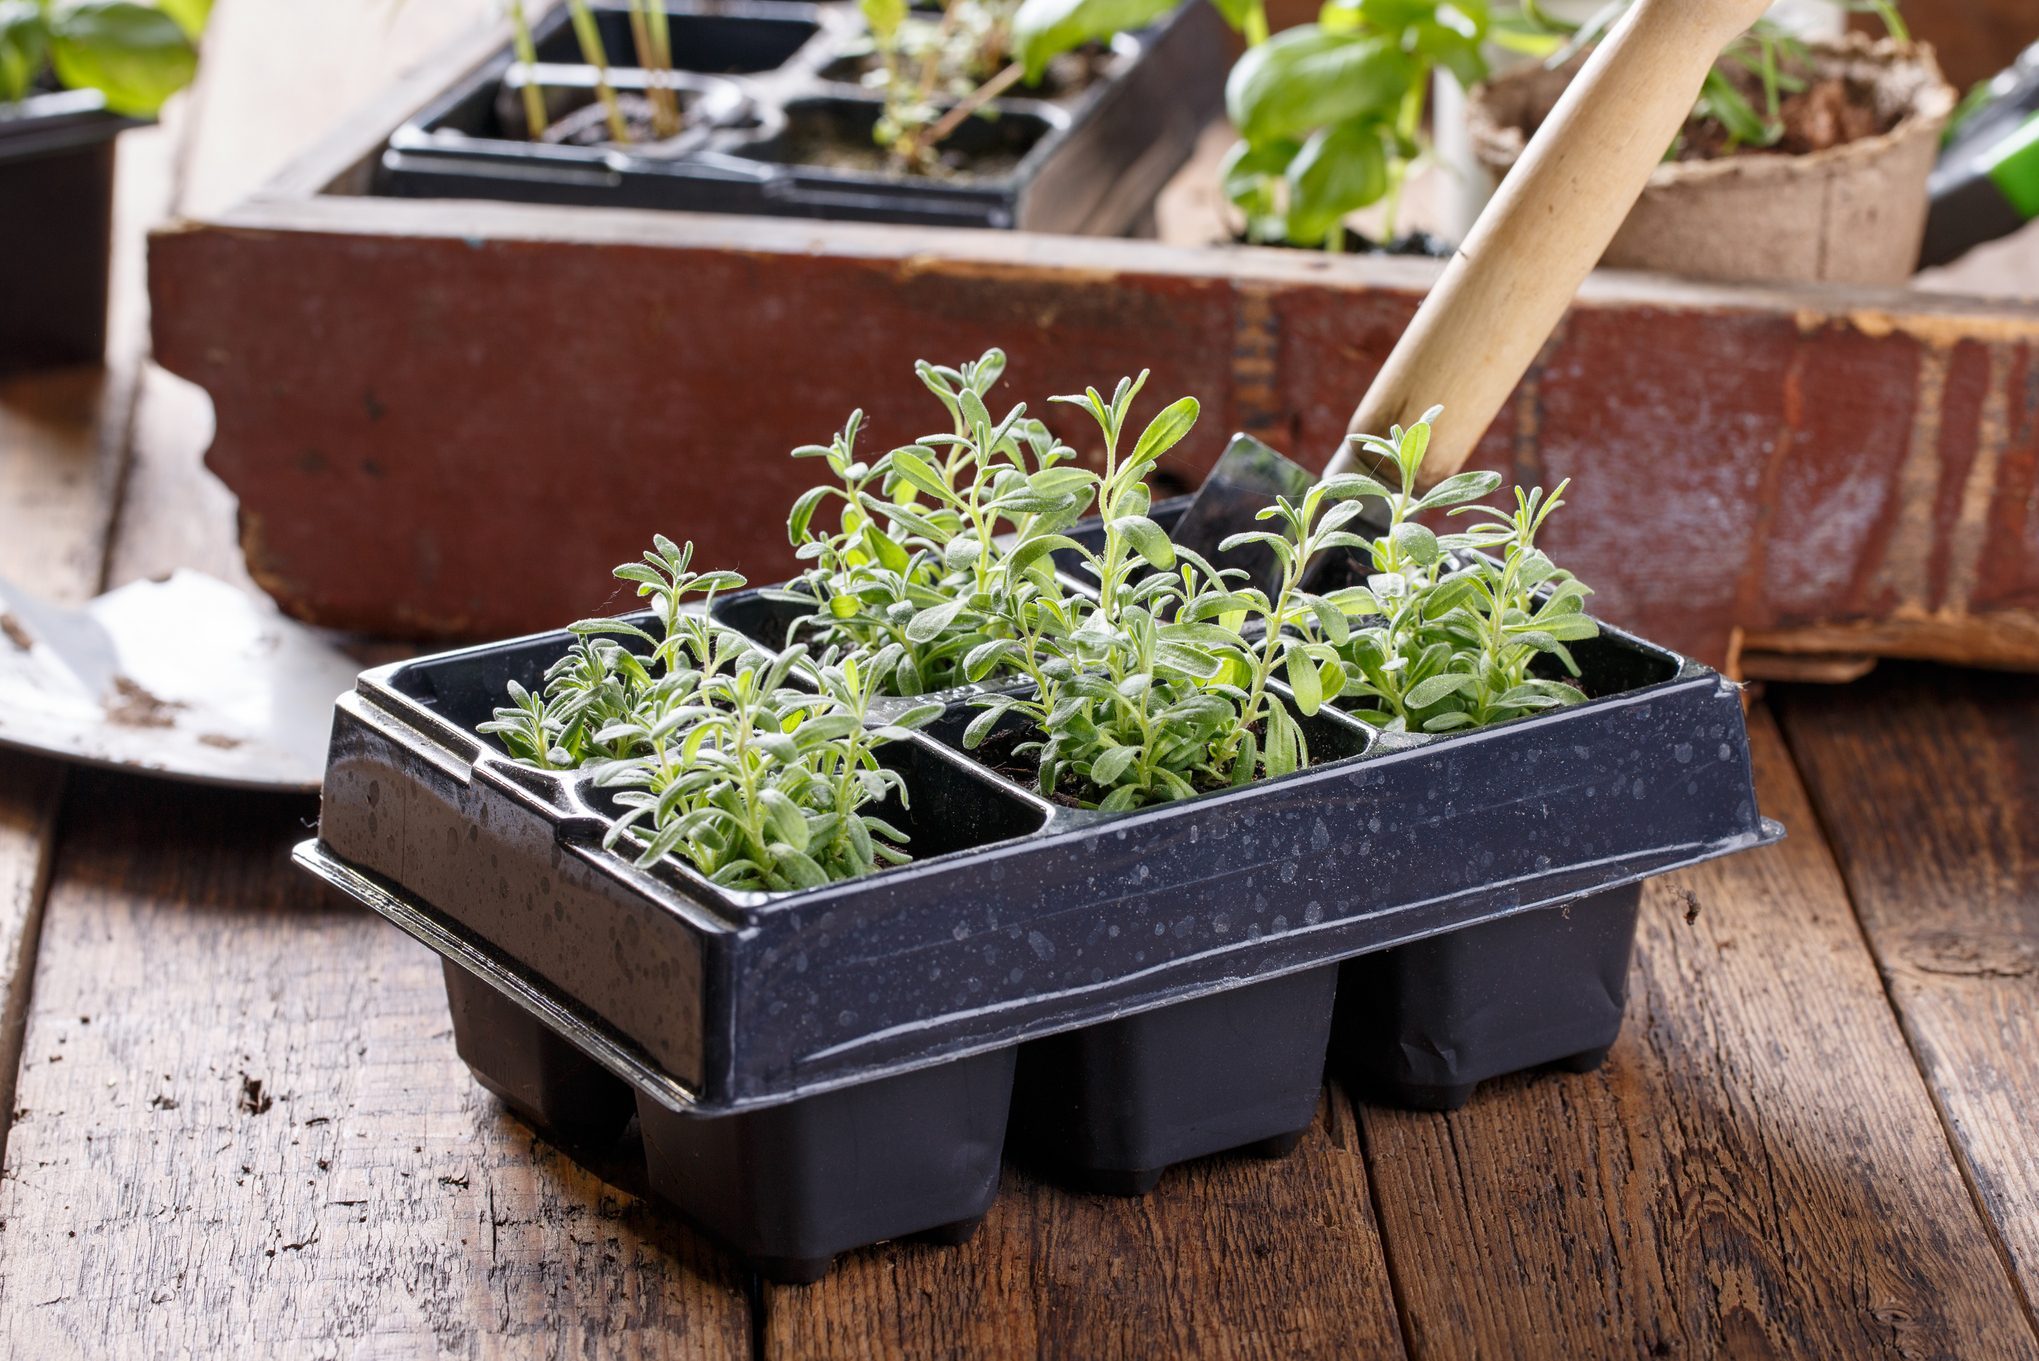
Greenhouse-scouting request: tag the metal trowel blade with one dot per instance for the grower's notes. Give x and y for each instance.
(187, 677)
(1245, 480)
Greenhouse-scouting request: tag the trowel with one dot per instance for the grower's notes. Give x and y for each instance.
(187, 677)
(1508, 286)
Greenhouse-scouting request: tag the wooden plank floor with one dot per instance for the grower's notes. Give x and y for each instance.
(237, 1124)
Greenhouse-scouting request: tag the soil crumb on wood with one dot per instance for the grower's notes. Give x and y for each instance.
(16, 634)
(221, 741)
(132, 706)
(254, 1100)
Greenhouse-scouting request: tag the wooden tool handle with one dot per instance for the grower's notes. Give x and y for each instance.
(1507, 287)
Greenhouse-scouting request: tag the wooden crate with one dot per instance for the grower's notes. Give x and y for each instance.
(450, 419)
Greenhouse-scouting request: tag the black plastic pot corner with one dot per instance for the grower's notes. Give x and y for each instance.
(56, 235)
(1423, 1024)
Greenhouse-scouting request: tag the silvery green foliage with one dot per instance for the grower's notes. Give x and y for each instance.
(1456, 622)
(902, 550)
(1160, 688)
(719, 758)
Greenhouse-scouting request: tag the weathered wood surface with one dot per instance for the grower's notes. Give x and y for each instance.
(1729, 1194)
(1751, 460)
(63, 455)
(1927, 785)
(1758, 1170)
(1230, 1257)
(242, 1127)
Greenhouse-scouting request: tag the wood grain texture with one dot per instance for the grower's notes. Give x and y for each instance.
(1927, 785)
(1230, 1257)
(244, 1128)
(1758, 1171)
(1845, 460)
(63, 450)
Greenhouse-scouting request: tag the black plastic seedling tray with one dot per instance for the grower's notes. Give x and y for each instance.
(817, 1070)
(56, 233)
(762, 80)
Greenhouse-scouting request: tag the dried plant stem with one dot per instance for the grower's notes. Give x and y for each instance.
(954, 118)
(592, 52)
(649, 32)
(526, 51)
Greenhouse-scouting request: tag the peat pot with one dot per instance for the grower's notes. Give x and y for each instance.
(1103, 994)
(1852, 213)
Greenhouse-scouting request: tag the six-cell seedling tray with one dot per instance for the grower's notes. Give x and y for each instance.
(779, 122)
(1100, 995)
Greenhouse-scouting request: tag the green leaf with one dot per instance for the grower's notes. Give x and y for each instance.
(1148, 539)
(24, 46)
(802, 515)
(918, 474)
(1439, 688)
(191, 15)
(883, 16)
(1166, 430)
(1419, 543)
(885, 549)
(1106, 769)
(1303, 679)
(134, 55)
(1039, 546)
(1307, 78)
(1045, 29)
(1340, 170)
(981, 726)
(789, 824)
(929, 624)
(1459, 489)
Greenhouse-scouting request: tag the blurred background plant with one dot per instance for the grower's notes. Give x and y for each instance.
(135, 54)
(1744, 94)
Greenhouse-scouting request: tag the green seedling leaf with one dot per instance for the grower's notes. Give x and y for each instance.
(1440, 688)
(1148, 539)
(1107, 769)
(1166, 430)
(1303, 679)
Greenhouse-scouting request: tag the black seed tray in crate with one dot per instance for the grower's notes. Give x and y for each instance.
(1167, 978)
(56, 178)
(764, 83)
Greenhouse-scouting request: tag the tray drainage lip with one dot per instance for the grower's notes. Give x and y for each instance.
(592, 1037)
